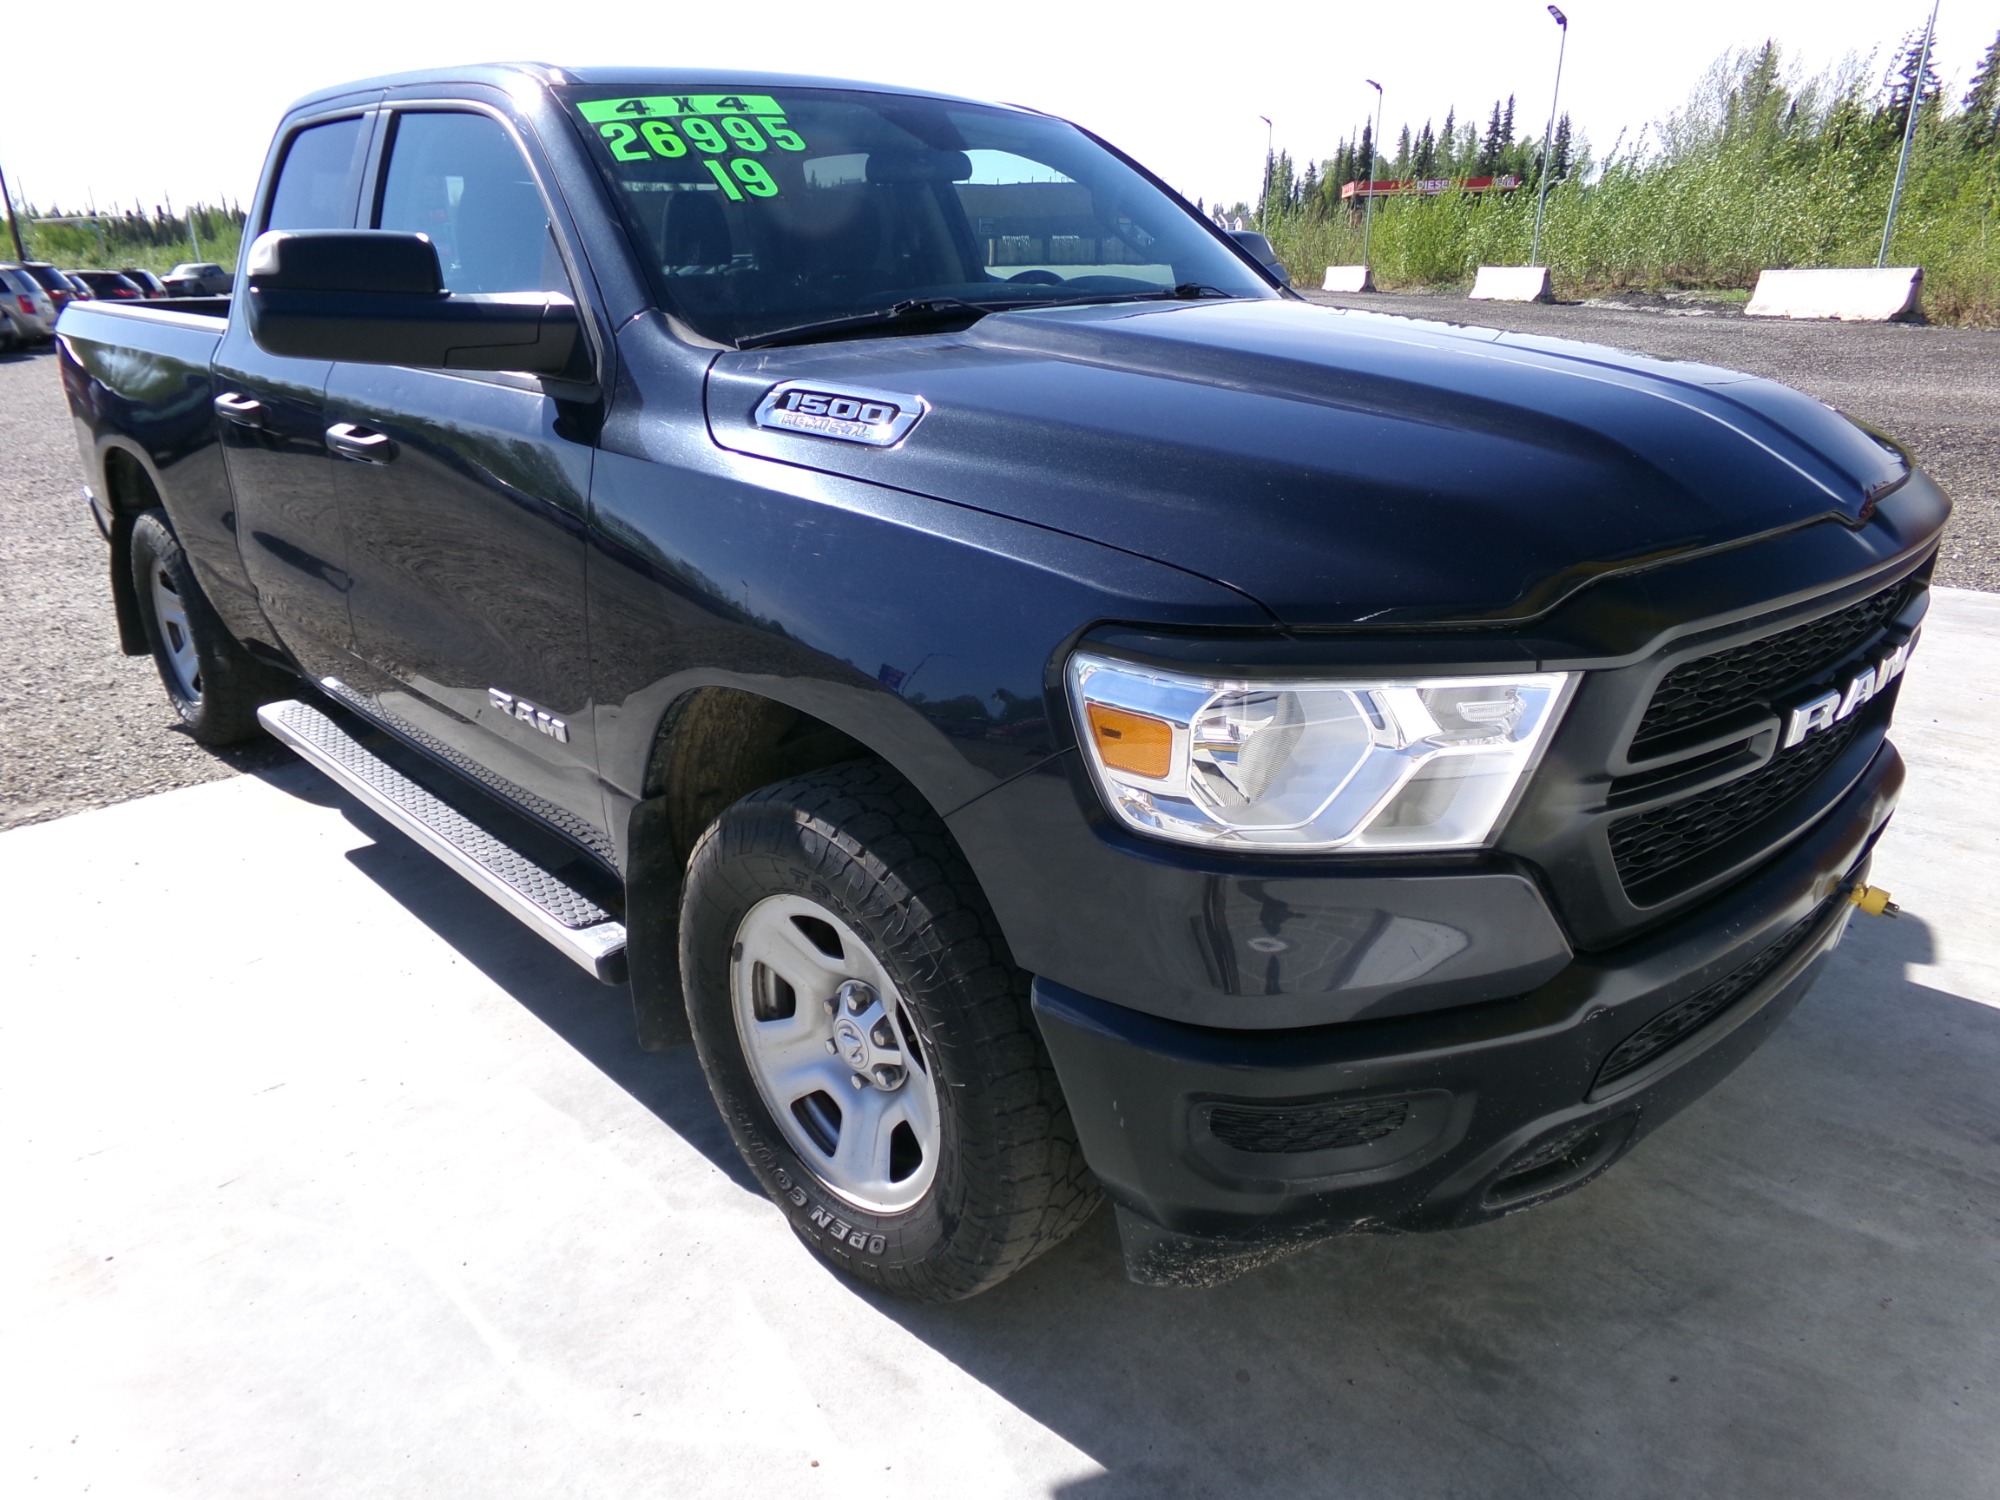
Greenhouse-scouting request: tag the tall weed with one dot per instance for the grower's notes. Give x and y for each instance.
(1746, 180)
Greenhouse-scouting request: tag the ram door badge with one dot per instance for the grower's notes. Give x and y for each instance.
(852, 414)
(535, 718)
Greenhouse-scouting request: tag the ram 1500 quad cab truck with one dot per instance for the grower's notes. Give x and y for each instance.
(1049, 712)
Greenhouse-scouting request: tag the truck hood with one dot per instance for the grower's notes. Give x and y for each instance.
(1339, 467)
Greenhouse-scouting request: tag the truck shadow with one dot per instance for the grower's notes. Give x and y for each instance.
(1786, 1290)
(1718, 1316)
(594, 1019)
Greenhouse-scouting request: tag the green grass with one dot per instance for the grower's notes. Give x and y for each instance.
(1700, 224)
(145, 247)
(1788, 181)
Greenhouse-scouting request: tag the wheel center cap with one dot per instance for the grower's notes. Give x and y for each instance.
(853, 1044)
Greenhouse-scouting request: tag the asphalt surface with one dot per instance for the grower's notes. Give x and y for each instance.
(88, 727)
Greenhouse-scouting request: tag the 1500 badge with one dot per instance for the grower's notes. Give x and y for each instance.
(852, 414)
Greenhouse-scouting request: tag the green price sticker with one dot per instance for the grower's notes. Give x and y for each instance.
(597, 111)
(716, 127)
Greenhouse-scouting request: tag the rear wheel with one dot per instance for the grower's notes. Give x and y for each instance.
(214, 684)
(868, 1039)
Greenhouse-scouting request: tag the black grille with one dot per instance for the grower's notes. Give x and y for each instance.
(1711, 686)
(1324, 1126)
(1651, 844)
(1689, 1015)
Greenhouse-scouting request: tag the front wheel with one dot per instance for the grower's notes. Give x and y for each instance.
(868, 1039)
(213, 683)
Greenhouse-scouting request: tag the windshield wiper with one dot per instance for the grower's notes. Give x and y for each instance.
(1187, 291)
(946, 309)
(926, 309)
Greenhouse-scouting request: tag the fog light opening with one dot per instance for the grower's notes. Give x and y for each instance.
(1559, 1162)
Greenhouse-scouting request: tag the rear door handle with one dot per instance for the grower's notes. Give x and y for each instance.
(240, 409)
(360, 444)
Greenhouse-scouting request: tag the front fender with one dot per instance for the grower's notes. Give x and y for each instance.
(922, 630)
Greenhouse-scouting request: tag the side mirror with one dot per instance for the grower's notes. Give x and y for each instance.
(1261, 252)
(370, 296)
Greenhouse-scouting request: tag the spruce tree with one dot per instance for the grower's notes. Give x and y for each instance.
(1981, 120)
(1427, 153)
(1559, 152)
(1448, 144)
(1488, 161)
(1904, 85)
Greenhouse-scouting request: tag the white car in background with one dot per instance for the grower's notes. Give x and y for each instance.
(27, 315)
(200, 278)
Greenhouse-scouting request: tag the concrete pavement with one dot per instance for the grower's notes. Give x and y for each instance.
(324, 1178)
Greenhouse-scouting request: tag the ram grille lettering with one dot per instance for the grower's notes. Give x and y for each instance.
(1824, 710)
(880, 419)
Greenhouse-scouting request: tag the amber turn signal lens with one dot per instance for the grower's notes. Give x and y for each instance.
(1136, 743)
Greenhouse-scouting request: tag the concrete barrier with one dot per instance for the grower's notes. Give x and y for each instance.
(1511, 284)
(1347, 279)
(1853, 296)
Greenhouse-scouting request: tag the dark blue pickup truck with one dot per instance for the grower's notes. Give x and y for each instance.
(1047, 711)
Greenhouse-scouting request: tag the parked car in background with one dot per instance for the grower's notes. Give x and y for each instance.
(62, 291)
(146, 281)
(30, 309)
(13, 332)
(209, 279)
(112, 286)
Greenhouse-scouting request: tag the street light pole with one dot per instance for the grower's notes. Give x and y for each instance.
(1548, 136)
(1264, 203)
(1368, 204)
(13, 221)
(1909, 130)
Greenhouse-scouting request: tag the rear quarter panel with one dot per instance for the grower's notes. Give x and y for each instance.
(140, 391)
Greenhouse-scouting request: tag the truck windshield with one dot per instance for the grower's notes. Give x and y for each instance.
(767, 215)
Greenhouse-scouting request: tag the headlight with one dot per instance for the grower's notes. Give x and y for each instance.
(1311, 764)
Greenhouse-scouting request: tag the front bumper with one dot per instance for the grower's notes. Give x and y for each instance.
(1221, 1148)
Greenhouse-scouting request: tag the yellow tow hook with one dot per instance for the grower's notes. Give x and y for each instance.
(1874, 900)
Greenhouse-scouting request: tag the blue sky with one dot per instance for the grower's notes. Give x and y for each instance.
(127, 101)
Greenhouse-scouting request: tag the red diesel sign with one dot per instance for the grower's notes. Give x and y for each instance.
(1429, 186)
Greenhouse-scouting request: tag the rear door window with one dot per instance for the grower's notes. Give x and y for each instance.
(319, 180)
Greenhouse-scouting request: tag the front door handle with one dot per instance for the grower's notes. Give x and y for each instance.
(243, 410)
(360, 444)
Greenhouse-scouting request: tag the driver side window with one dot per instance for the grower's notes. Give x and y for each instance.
(460, 179)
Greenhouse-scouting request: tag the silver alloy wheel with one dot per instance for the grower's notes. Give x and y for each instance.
(176, 639)
(835, 1054)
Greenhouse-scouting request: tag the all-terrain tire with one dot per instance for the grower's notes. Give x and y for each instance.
(855, 853)
(214, 684)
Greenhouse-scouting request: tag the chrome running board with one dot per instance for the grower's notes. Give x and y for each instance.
(551, 907)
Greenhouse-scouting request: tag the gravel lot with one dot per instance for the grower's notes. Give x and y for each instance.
(88, 727)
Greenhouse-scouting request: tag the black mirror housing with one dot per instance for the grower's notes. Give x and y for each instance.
(1260, 251)
(377, 297)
